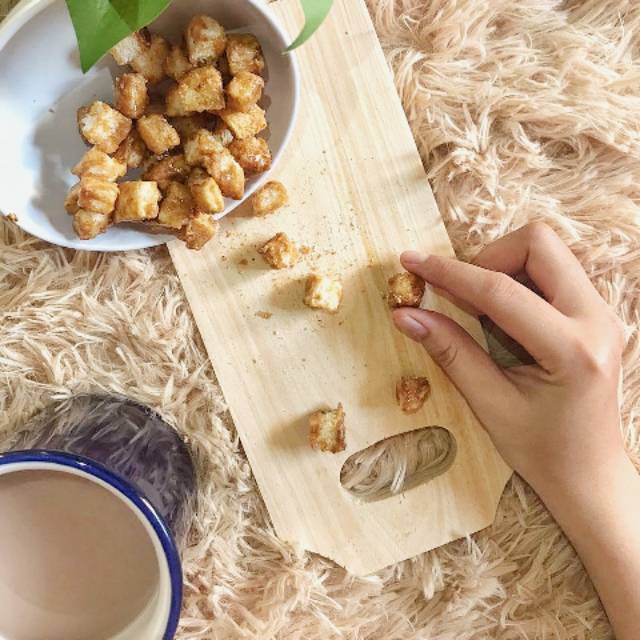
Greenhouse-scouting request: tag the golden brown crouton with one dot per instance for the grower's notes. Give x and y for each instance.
(176, 63)
(327, 430)
(97, 164)
(157, 133)
(199, 90)
(199, 230)
(176, 207)
(131, 47)
(405, 290)
(322, 292)
(132, 151)
(89, 224)
(244, 90)
(205, 40)
(138, 200)
(103, 126)
(130, 94)
(200, 146)
(165, 170)
(269, 198)
(280, 252)
(206, 193)
(411, 393)
(188, 126)
(223, 134)
(244, 54)
(252, 154)
(244, 124)
(97, 195)
(150, 63)
(71, 201)
(226, 172)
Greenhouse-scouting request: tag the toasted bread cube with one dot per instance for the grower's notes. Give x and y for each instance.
(199, 90)
(188, 126)
(200, 146)
(411, 393)
(279, 252)
(405, 290)
(97, 164)
(252, 154)
(244, 54)
(176, 64)
(89, 224)
(132, 151)
(244, 90)
(206, 40)
(176, 207)
(226, 172)
(223, 134)
(103, 126)
(166, 170)
(327, 430)
(131, 47)
(150, 62)
(138, 200)
(322, 292)
(269, 198)
(157, 133)
(206, 193)
(130, 94)
(97, 195)
(244, 124)
(71, 201)
(199, 230)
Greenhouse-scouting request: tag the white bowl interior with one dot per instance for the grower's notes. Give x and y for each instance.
(42, 86)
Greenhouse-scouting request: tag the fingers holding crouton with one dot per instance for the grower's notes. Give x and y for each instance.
(130, 94)
(97, 164)
(103, 126)
(269, 198)
(412, 392)
(253, 154)
(157, 133)
(138, 200)
(327, 430)
(405, 290)
(205, 39)
(244, 54)
(199, 90)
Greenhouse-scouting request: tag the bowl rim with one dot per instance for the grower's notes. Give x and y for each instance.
(25, 10)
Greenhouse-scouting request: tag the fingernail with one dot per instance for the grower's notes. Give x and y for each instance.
(413, 257)
(411, 327)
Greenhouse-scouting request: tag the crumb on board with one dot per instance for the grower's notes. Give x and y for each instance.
(412, 392)
(265, 315)
(405, 290)
(327, 430)
(243, 263)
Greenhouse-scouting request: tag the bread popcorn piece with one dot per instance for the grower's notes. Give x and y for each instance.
(405, 290)
(71, 201)
(103, 126)
(411, 393)
(244, 124)
(129, 48)
(130, 94)
(138, 200)
(244, 90)
(157, 133)
(244, 54)
(327, 430)
(206, 193)
(89, 224)
(132, 151)
(199, 90)
(202, 145)
(165, 170)
(252, 154)
(188, 126)
(322, 292)
(96, 195)
(176, 207)
(176, 64)
(269, 198)
(97, 164)
(198, 231)
(222, 166)
(150, 62)
(205, 39)
(223, 134)
(279, 252)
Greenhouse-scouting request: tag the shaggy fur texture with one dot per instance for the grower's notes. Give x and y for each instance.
(522, 110)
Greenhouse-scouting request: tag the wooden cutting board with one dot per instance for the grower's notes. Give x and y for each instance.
(359, 196)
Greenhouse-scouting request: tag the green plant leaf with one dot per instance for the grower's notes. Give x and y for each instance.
(315, 11)
(100, 24)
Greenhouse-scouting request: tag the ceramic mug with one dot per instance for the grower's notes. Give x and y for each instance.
(95, 496)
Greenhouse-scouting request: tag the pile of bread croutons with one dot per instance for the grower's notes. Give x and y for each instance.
(188, 116)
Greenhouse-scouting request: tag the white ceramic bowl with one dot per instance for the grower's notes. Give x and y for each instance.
(42, 86)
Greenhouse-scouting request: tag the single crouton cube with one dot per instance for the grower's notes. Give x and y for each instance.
(138, 200)
(176, 207)
(150, 63)
(71, 201)
(244, 54)
(97, 164)
(244, 90)
(411, 393)
(279, 252)
(131, 47)
(198, 231)
(130, 94)
(405, 290)
(89, 224)
(226, 172)
(188, 126)
(269, 198)
(199, 90)
(166, 170)
(176, 64)
(223, 134)
(244, 124)
(206, 40)
(206, 193)
(97, 195)
(200, 146)
(132, 151)
(252, 154)
(327, 430)
(322, 292)
(157, 133)
(103, 126)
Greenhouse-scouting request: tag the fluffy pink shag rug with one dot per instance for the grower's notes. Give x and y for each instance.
(522, 110)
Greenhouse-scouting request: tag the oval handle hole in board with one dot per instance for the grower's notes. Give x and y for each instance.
(398, 463)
